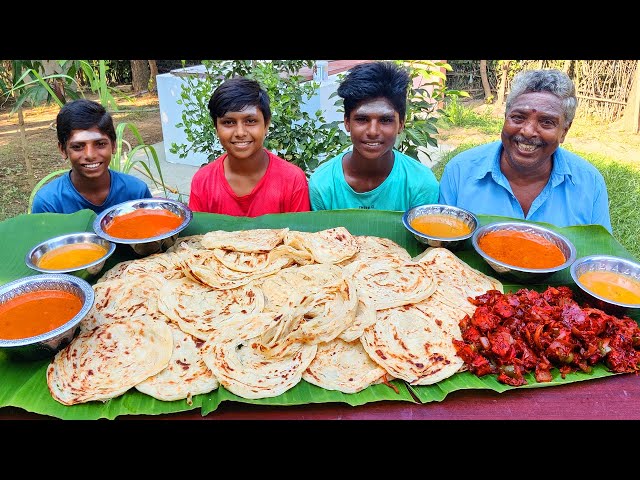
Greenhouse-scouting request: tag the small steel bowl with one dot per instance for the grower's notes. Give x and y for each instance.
(85, 272)
(144, 246)
(520, 274)
(606, 263)
(46, 344)
(452, 243)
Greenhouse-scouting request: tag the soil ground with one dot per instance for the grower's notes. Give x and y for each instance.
(143, 111)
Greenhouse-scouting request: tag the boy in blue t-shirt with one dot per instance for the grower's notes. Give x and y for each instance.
(373, 175)
(87, 137)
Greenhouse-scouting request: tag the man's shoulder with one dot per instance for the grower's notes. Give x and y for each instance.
(479, 156)
(478, 150)
(578, 164)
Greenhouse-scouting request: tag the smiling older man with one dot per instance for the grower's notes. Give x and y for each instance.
(527, 174)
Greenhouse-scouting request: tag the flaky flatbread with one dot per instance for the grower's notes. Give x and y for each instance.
(332, 245)
(391, 282)
(186, 374)
(106, 362)
(415, 344)
(201, 310)
(256, 240)
(345, 367)
(455, 280)
(238, 363)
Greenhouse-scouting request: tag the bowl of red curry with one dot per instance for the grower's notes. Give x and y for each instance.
(40, 314)
(149, 225)
(522, 251)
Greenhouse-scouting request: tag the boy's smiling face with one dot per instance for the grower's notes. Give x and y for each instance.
(89, 152)
(242, 133)
(374, 126)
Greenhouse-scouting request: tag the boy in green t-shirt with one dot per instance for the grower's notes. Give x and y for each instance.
(373, 175)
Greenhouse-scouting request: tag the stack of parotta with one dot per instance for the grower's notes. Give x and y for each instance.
(259, 310)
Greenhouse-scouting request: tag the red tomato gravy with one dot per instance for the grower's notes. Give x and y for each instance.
(37, 312)
(143, 223)
(521, 249)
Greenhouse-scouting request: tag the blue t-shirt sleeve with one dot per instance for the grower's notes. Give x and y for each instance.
(40, 205)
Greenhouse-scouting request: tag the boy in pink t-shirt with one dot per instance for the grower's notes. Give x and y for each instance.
(247, 180)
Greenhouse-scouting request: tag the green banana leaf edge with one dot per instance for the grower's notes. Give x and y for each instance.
(23, 384)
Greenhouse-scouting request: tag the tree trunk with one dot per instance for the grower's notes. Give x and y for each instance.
(485, 82)
(23, 146)
(566, 67)
(631, 117)
(153, 86)
(503, 81)
(51, 67)
(140, 74)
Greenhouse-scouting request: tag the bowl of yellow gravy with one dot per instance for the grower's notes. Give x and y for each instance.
(438, 225)
(608, 282)
(82, 254)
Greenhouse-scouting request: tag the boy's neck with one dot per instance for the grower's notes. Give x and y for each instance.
(357, 164)
(247, 166)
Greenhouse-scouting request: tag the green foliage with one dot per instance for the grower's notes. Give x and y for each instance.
(428, 91)
(302, 139)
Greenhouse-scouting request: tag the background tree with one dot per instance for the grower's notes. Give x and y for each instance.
(631, 117)
(488, 96)
(140, 75)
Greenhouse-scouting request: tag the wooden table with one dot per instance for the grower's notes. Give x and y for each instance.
(612, 398)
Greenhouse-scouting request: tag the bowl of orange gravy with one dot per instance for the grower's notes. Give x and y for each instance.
(82, 254)
(438, 225)
(608, 282)
(148, 226)
(525, 252)
(39, 314)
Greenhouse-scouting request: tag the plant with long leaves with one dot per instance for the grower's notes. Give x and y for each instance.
(29, 83)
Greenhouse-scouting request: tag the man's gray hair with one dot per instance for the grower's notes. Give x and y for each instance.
(546, 80)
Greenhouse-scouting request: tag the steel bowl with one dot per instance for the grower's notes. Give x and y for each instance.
(144, 246)
(46, 344)
(452, 243)
(607, 263)
(520, 274)
(86, 271)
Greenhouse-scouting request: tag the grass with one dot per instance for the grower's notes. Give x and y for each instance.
(458, 115)
(623, 185)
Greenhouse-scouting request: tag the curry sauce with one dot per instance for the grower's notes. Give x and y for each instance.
(521, 249)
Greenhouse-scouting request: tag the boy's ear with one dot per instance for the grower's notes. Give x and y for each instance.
(401, 127)
(346, 124)
(61, 150)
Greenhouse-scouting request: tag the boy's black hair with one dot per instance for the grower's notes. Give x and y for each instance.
(83, 114)
(237, 93)
(371, 80)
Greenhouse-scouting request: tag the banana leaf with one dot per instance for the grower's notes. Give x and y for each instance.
(23, 384)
